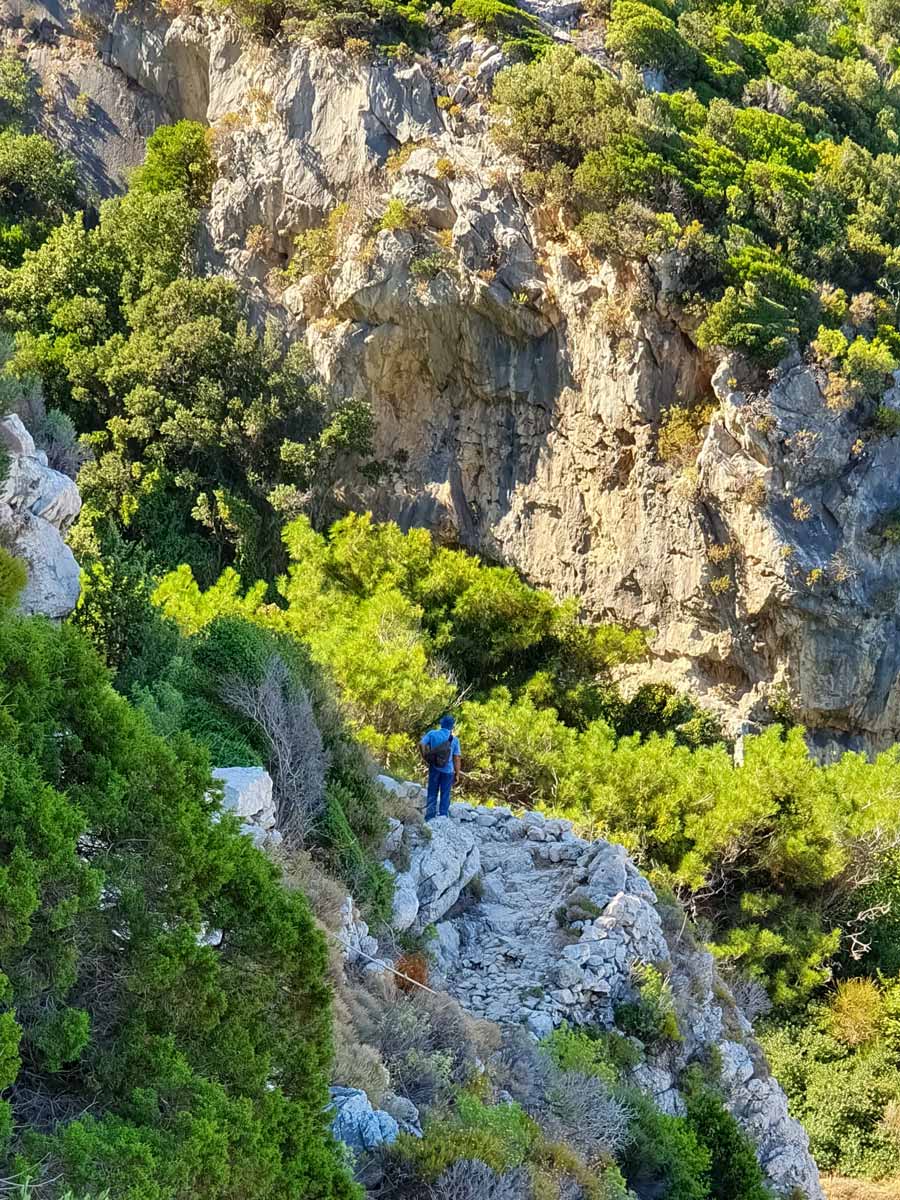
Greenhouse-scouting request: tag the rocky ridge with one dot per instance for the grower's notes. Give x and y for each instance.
(553, 934)
(37, 506)
(518, 386)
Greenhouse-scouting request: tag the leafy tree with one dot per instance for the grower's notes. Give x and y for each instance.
(201, 426)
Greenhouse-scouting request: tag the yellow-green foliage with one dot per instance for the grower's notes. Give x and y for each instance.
(682, 431)
(857, 1010)
(398, 215)
(840, 1067)
(385, 614)
(500, 1135)
(13, 577)
(316, 250)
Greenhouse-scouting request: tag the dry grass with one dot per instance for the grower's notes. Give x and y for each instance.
(325, 895)
(837, 1188)
(356, 1064)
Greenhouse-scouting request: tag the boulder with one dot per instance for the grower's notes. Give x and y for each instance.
(37, 506)
(247, 791)
(357, 1124)
(439, 869)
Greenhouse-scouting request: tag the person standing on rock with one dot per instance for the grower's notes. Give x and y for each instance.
(440, 751)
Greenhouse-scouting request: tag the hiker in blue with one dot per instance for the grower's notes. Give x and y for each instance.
(440, 750)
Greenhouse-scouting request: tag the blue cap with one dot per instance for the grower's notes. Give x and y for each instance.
(447, 722)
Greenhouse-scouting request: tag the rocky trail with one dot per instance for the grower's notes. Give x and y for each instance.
(535, 928)
(509, 940)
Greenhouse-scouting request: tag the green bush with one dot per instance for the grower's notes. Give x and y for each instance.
(516, 29)
(387, 22)
(500, 1135)
(648, 37)
(651, 1018)
(843, 1094)
(184, 1068)
(794, 205)
(178, 159)
(13, 577)
(735, 1173)
(665, 1155)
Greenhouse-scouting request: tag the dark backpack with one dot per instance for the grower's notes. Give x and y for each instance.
(439, 756)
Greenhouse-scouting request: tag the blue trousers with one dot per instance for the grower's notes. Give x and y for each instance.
(439, 785)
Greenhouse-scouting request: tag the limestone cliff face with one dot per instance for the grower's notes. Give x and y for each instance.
(37, 506)
(518, 386)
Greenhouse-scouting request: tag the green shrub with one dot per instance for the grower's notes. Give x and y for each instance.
(651, 1018)
(185, 1067)
(665, 1154)
(735, 1173)
(179, 159)
(398, 215)
(499, 1135)
(14, 89)
(648, 37)
(682, 431)
(316, 250)
(13, 577)
(857, 1011)
(886, 421)
(842, 1094)
(576, 1050)
(518, 30)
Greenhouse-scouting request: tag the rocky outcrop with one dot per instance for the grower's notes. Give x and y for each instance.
(37, 506)
(357, 1124)
(558, 935)
(247, 792)
(441, 865)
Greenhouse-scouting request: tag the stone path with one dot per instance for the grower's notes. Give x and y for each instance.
(511, 958)
(506, 956)
(509, 947)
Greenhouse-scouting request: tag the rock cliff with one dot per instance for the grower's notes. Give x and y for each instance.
(37, 506)
(518, 385)
(555, 933)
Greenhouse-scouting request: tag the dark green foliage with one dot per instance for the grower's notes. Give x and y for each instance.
(735, 1173)
(665, 1155)
(774, 135)
(659, 708)
(882, 934)
(177, 682)
(37, 184)
(199, 425)
(113, 868)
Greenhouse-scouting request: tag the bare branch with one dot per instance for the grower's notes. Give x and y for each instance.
(298, 760)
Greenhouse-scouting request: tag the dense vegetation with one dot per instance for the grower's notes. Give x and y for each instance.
(358, 26)
(201, 429)
(138, 1055)
(764, 164)
(765, 854)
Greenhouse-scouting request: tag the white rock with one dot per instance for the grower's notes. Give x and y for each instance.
(37, 506)
(357, 1124)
